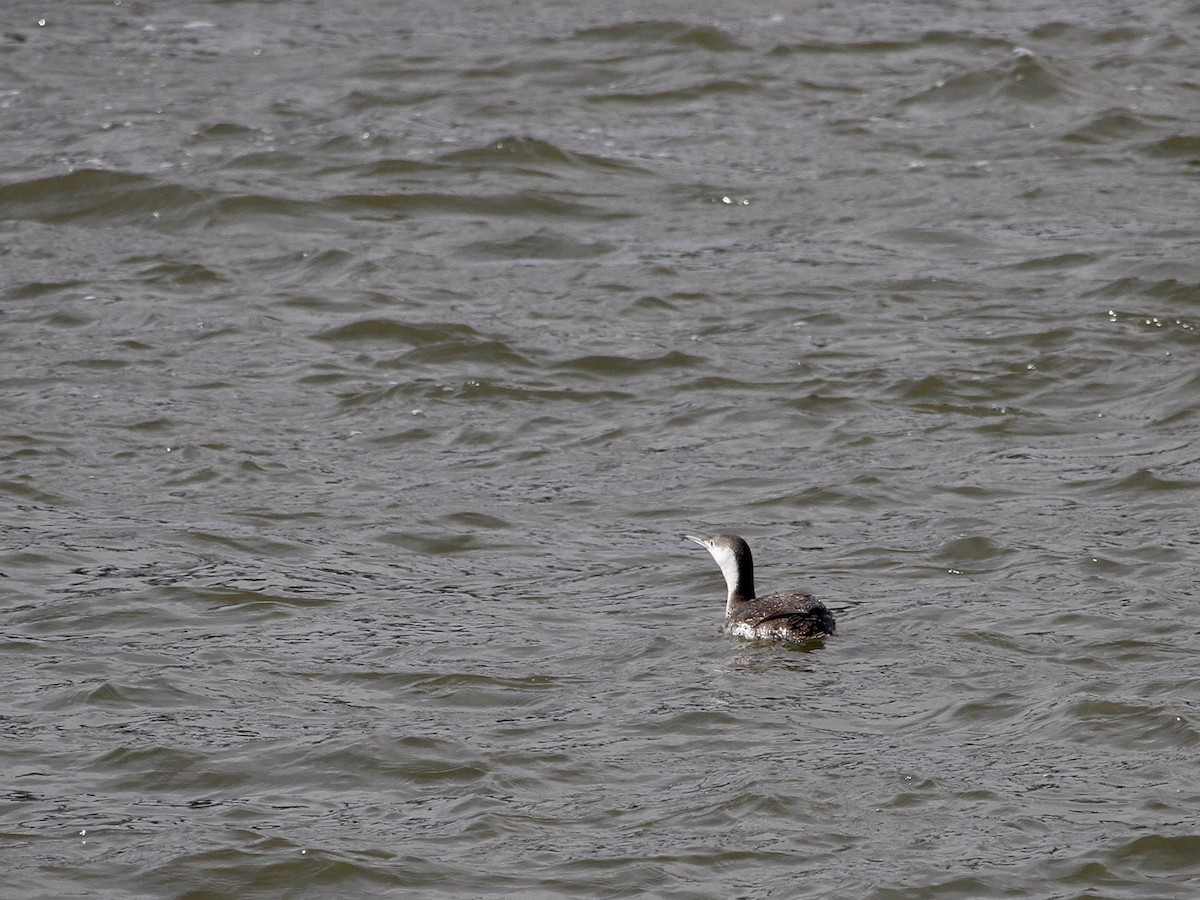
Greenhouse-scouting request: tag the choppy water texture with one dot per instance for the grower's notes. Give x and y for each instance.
(365, 363)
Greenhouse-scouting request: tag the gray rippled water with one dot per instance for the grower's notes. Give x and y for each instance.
(364, 365)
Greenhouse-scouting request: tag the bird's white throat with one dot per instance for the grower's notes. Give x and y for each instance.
(729, 568)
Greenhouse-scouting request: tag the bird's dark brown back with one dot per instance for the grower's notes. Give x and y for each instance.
(803, 613)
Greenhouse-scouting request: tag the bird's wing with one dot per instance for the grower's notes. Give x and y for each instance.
(803, 613)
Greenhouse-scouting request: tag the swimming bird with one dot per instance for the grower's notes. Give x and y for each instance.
(775, 617)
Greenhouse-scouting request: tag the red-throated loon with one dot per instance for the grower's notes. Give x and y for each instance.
(775, 617)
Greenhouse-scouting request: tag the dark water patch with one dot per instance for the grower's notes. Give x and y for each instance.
(520, 205)
(719, 384)
(684, 35)
(535, 394)
(541, 245)
(1138, 289)
(478, 520)
(250, 600)
(935, 38)
(1003, 413)
(414, 435)
(690, 94)
(1184, 148)
(99, 363)
(429, 543)
(35, 289)
(349, 763)
(530, 154)
(822, 48)
(173, 273)
(707, 37)
(476, 391)
(973, 553)
(553, 72)
(964, 392)
(1142, 482)
(154, 693)
(95, 195)
(224, 133)
(607, 365)
(1024, 80)
(644, 304)
(70, 316)
(393, 168)
(1118, 124)
(469, 689)
(1131, 724)
(337, 262)
(1159, 854)
(246, 211)
(1055, 263)
(96, 609)
(361, 100)
(234, 539)
(1172, 415)
(958, 886)
(275, 161)
(932, 237)
(172, 769)
(862, 493)
(388, 331)
(1084, 35)
(254, 863)
(417, 391)
(484, 354)
(900, 295)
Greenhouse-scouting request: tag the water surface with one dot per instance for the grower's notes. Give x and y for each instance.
(365, 364)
